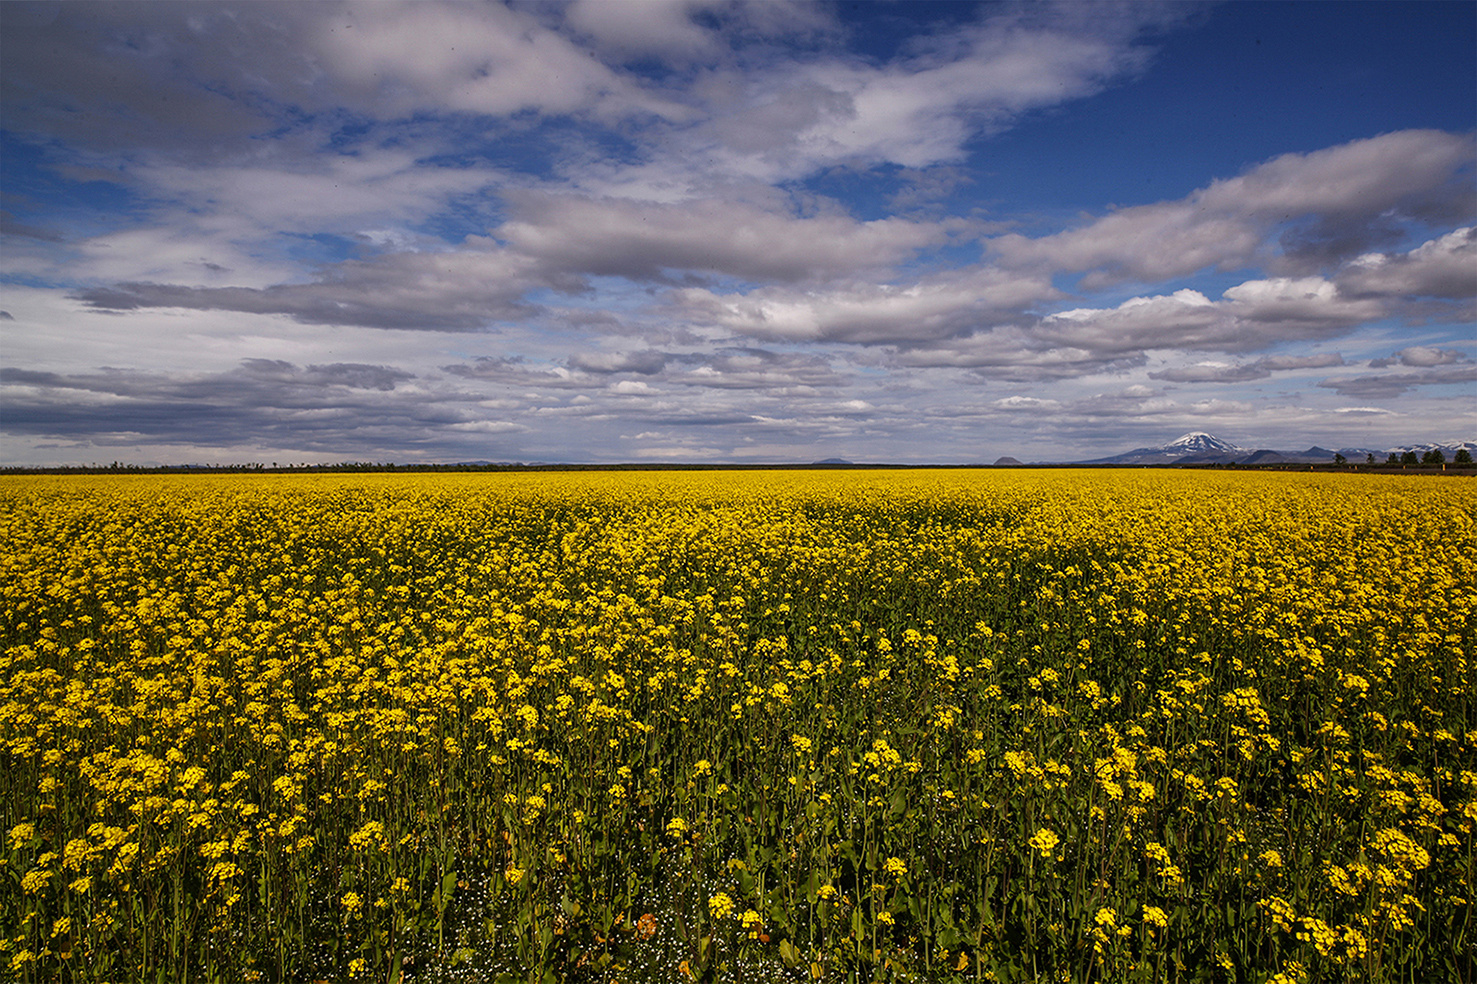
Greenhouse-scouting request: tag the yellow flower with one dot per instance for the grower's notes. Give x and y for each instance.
(21, 834)
(720, 906)
(1045, 841)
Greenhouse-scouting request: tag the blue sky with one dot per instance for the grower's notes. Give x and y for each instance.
(732, 231)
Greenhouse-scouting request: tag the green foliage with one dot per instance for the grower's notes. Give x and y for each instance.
(738, 728)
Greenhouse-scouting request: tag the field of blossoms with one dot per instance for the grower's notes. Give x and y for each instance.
(834, 726)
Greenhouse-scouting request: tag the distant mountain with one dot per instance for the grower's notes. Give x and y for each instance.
(1199, 448)
(1195, 447)
(1007, 462)
(832, 461)
(1448, 449)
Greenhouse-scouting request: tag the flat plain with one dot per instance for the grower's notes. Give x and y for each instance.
(837, 725)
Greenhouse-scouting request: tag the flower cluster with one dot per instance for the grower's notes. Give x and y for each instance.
(738, 726)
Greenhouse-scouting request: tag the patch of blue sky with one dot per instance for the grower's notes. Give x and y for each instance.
(525, 144)
(882, 32)
(605, 294)
(1255, 81)
(320, 248)
(867, 194)
(470, 215)
(39, 192)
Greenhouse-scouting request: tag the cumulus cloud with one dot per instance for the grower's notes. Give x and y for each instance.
(1344, 197)
(646, 362)
(683, 31)
(1392, 384)
(1027, 403)
(1422, 356)
(253, 377)
(483, 58)
(515, 371)
(643, 241)
(91, 73)
(1221, 372)
(1252, 315)
(758, 370)
(1012, 354)
(451, 291)
(869, 313)
(635, 223)
(341, 194)
(761, 118)
(1445, 268)
(730, 368)
(334, 409)
(644, 28)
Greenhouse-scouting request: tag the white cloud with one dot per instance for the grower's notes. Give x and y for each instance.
(1029, 403)
(1252, 315)
(1393, 384)
(1221, 372)
(404, 57)
(1422, 356)
(1445, 267)
(488, 427)
(460, 291)
(644, 28)
(941, 307)
(643, 240)
(1348, 193)
(633, 387)
(663, 168)
(337, 193)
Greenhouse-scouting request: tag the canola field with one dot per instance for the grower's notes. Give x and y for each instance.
(853, 726)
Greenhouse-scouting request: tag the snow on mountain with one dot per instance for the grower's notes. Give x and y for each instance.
(1199, 442)
(1199, 448)
(1196, 445)
(1448, 448)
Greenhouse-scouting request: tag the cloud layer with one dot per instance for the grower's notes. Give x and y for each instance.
(599, 231)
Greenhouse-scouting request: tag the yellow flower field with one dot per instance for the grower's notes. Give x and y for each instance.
(738, 726)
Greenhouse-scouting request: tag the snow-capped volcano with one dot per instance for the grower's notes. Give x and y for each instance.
(1200, 448)
(1199, 442)
(1196, 446)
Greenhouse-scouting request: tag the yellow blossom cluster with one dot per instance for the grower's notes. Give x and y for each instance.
(884, 725)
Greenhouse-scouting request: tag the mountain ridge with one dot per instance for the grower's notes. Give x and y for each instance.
(1201, 448)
